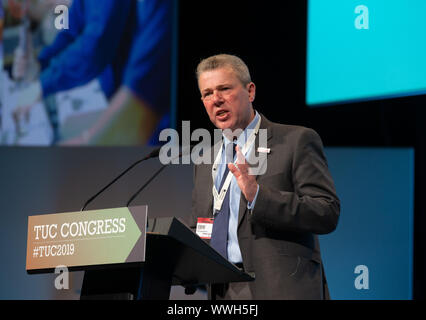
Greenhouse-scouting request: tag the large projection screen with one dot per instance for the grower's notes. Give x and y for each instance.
(75, 72)
(362, 50)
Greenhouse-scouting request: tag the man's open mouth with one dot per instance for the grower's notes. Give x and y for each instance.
(222, 114)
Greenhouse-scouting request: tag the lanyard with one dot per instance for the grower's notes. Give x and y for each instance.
(218, 197)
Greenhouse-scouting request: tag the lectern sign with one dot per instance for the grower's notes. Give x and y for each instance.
(80, 239)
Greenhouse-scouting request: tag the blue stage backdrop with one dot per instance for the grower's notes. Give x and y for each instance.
(370, 255)
(375, 186)
(370, 49)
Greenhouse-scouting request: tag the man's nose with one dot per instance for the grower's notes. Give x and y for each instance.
(217, 97)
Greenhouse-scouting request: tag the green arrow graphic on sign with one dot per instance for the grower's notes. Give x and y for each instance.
(95, 237)
(114, 248)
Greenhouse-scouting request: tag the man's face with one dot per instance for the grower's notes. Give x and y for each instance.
(227, 101)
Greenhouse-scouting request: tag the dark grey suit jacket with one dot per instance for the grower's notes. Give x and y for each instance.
(296, 201)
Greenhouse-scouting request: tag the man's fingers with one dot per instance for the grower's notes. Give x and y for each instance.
(241, 163)
(240, 157)
(234, 169)
(240, 168)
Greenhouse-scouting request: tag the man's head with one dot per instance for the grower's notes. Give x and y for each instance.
(226, 91)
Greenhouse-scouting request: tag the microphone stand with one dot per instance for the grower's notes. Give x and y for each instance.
(146, 183)
(153, 154)
(152, 178)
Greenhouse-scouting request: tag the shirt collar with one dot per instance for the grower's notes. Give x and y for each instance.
(243, 136)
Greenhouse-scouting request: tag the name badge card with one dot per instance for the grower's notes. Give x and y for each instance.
(204, 227)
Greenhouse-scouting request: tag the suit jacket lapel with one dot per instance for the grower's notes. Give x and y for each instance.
(264, 124)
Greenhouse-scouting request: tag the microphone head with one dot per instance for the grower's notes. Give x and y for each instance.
(154, 153)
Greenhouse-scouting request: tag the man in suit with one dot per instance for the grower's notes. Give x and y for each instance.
(271, 219)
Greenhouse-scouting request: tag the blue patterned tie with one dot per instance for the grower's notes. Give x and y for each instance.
(219, 239)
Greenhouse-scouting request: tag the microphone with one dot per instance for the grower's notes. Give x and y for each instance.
(154, 153)
(155, 174)
(146, 183)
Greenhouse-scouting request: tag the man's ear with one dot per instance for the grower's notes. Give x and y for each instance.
(251, 88)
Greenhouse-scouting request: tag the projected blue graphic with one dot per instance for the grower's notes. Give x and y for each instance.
(365, 49)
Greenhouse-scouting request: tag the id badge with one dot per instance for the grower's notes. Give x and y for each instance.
(204, 228)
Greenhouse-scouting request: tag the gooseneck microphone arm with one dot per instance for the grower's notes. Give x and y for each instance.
(153, 154)
(146, 183)
(153, 177)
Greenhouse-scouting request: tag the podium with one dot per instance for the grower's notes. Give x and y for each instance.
(174, 255)
(124, 254)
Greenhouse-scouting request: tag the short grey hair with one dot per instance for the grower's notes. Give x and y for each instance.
(225, 60)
